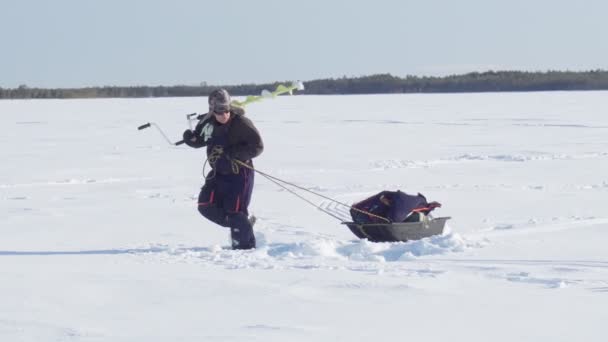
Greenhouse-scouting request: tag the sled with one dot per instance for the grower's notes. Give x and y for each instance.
(398, 231)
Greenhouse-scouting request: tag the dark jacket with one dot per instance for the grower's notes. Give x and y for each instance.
(238, 138)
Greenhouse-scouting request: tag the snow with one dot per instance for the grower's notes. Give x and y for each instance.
(101, 240)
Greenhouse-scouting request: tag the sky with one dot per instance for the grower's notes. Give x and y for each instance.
(76, 43)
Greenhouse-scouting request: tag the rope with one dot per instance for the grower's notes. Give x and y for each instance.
(302, 198)
(216, 153)
(277, 180)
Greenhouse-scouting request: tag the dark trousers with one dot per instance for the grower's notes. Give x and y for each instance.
(224, 199)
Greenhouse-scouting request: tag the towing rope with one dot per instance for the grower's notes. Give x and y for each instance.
(281, 183)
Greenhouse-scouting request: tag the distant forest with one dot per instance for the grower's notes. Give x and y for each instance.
(490, 81)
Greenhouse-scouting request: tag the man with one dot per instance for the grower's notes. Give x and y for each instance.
(229, 137)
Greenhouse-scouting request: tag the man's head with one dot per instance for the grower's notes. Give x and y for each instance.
(219, 101)
(219, 105)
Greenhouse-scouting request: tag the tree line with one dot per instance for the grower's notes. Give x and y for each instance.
(489, 81)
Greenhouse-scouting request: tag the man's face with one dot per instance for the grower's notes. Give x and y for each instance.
(222, 116)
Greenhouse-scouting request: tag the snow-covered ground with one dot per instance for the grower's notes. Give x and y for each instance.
(100, 239)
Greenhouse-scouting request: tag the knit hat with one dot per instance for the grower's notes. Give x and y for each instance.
(219, 101)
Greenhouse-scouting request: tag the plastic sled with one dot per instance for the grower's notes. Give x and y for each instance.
(398, 231)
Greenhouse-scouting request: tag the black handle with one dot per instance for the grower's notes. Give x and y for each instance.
(143, 126)
(179, 143)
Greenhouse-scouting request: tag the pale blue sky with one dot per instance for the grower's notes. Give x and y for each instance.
(73, 43)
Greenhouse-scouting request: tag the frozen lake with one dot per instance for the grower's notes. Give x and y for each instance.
(101, 239)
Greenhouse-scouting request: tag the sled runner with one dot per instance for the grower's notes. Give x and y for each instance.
(398, 231)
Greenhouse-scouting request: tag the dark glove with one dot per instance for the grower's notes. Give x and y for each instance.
(191, 139)
(187, 135)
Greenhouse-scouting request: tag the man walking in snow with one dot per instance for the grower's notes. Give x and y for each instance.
(229, 137)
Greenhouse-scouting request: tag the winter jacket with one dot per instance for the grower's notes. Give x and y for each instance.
(238, 138)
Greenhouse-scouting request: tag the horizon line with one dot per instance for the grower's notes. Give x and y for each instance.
(205, 84)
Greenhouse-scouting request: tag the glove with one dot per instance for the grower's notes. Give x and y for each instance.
(190, 138)
(188, 135)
